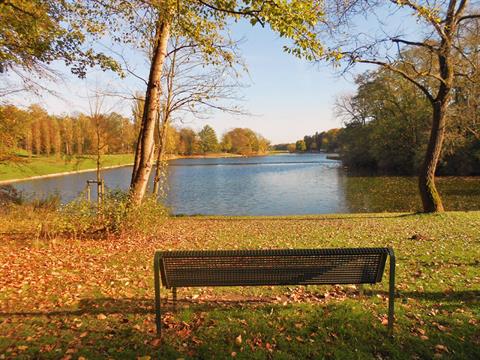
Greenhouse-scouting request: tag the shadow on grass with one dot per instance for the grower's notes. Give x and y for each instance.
(208, 329)
(471, 298)
(319, 217)
(136, 306)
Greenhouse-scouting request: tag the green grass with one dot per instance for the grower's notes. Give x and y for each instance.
(93, 298)
(25, 167)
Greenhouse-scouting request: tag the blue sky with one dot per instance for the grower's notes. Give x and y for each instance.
(287, 97)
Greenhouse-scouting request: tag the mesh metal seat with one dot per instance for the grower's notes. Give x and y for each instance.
(272, 267)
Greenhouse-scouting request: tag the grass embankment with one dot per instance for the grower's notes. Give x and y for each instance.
(25, 167)
(92, 298)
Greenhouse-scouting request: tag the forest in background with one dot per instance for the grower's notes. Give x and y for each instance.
(33, 131)
(388, 121)
(326, 141)
(387, 124)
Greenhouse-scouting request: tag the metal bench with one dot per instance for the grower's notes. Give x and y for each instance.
(272, 267)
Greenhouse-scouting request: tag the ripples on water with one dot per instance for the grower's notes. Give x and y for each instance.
(273, 185)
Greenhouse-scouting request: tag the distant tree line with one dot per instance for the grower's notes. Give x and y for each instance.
(243, 141)
(36, 132)
(326, 141)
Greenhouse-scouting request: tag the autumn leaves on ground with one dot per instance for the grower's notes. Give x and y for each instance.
(75, 296)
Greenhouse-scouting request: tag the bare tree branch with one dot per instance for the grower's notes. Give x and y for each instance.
(404, 74)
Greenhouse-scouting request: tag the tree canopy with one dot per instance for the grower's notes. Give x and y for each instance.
(441, 27)
(35, 33)
(208, 139)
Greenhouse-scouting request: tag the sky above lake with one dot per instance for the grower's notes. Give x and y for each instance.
(286, 97)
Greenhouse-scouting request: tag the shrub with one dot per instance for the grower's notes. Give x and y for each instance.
(115, 214)
(48, 219)
(9, 195)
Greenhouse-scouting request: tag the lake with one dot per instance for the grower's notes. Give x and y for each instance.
(282, 184)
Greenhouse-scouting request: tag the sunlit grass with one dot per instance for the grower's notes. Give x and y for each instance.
(94, 297)
(25, 167)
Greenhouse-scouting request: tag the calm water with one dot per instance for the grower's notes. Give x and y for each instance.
(272, 185)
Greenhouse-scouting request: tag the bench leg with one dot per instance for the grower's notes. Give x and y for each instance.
(361, 290)
(391, 295)
(158, 313)
(174, 295)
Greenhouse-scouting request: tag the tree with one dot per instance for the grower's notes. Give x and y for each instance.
(291, 148)
(443, 22)
(202, 22)
(244, 141)
(14, 125)
(387, 122)
(67, 136)
(241, 141)
(208, 139)
(263, 144)
(36, 32)
(188, 143)
(39, 133)
(191, 85)
(226, 143)
(300, 146)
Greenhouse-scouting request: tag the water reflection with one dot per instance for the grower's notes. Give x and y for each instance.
(266, 187)
(399, 193)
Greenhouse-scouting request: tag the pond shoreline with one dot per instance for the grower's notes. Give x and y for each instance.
(171, 157)
(297, 184)
(14, 181)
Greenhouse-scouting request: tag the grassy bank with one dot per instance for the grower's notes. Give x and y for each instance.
(93, 298)
(25, 167)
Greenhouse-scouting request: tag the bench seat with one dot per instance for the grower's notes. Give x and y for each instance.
(174, 269)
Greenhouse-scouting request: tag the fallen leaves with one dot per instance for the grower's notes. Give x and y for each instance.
(238, 340)
(85, 284)
(439, 348)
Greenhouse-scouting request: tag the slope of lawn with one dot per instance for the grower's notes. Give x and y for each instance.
(67, 298)
(25, 167)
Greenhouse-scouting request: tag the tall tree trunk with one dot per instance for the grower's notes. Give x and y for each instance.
(163, 128)
(146, 142)
(431, 199)
(138, 150)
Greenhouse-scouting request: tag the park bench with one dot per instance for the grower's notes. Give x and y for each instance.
(271, 267)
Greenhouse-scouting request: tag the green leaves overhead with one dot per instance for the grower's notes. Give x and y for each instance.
(294, 20)
(38, 32)
(205, 22)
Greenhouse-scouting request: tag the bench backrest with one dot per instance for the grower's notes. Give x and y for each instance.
(271, 267)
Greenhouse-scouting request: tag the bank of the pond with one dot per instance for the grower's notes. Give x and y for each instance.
(24, 168)
(70, 298)
(38, 167)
